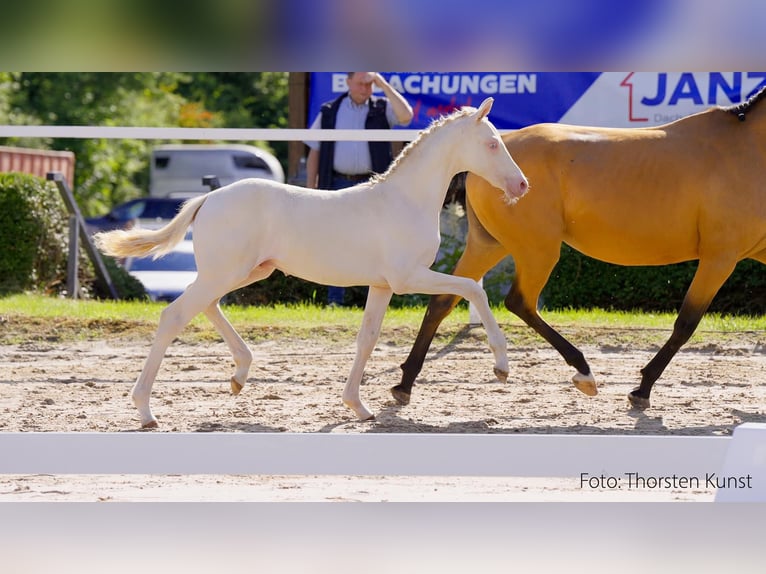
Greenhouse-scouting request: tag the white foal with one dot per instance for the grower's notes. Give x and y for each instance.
(383, 233)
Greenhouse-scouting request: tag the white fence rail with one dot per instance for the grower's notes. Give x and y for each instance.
(600, 461)
(238, 134)
(359, 454)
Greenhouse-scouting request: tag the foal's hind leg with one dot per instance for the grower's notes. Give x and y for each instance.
(241, 353)
(173, 319)
(374, 310)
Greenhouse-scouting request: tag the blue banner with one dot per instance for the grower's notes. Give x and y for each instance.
(615, 99)
(521, 98)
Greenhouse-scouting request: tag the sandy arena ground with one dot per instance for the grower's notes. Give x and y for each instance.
(295, 386)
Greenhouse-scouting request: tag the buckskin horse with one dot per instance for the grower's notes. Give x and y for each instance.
(383, 233)
(688, 190)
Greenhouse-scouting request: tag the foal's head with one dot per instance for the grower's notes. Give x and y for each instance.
(482, 151)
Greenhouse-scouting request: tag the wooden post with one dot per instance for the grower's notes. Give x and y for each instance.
(297, 117)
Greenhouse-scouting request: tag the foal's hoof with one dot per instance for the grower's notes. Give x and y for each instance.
(152, 424)
(586, 384)
(401, 397)
(638, 402)
(501, 375)
(360, 410)
(236, 387)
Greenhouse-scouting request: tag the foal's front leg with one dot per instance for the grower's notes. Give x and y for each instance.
(431, 282)
(377, 302)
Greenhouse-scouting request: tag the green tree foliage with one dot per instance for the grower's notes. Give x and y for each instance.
(243, 99)
(109, 172)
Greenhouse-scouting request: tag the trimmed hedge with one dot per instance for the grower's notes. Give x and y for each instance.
(278, 288)
(281, 288)
(581, 282)
(127, 286)
(34, 243)
(33, 234)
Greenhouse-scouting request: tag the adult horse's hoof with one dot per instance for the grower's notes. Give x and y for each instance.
(152, 424)
(586, 384)
(501, 375)
(236, 387)
(401, 397)
(638, 402)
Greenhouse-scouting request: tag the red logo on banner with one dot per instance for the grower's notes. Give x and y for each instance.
(629, 85)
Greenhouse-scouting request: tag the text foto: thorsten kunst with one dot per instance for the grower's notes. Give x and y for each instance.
(630, 480)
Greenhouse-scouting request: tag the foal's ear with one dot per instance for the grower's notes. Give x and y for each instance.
(484, 108)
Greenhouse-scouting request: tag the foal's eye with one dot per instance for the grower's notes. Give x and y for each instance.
(492, 145)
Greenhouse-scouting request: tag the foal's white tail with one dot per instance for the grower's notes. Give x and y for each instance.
(143, 242)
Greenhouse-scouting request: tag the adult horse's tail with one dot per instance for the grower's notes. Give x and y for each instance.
(143, 242)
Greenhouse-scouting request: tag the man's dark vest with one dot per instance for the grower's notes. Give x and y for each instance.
(381, 153)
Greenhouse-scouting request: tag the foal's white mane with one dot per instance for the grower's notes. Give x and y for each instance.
(408, 149)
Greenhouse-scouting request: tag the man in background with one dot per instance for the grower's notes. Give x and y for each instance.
(336, 165)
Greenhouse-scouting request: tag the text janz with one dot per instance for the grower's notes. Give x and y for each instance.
(691, 87)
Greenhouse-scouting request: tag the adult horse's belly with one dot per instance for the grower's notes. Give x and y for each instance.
(638, 239)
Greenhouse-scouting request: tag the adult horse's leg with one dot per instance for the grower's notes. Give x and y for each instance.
(532, 272)
(374, 310)
(424, 280)
(481, 253)
(710, 276)
(439, 306)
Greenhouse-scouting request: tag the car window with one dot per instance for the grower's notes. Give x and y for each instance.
(247, 161)
(161, 209)
(130, 210)
(173, 261)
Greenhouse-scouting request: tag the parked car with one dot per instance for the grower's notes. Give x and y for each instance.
(178, 169)
(144, 211)
(167, 277)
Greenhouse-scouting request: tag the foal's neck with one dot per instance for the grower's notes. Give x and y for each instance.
(425, 174)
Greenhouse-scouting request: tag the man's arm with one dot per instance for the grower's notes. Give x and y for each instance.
(399, 105)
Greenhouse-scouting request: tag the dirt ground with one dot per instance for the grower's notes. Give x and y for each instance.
(295, 386)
